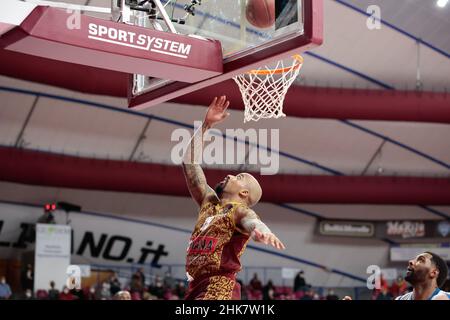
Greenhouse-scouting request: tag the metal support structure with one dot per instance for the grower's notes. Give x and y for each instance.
(376, 153)
(247, 154)
(125, 11)
(141, 138)
(165, 16)
(419, 84)
(243, 29)
(19, 139)
(146, 18)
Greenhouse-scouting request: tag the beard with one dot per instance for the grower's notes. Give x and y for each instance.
(415, 276)
(219, 189)
(410, 277)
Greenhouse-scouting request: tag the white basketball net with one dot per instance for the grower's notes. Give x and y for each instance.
(263, 90)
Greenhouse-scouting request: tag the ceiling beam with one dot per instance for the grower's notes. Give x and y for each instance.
(47, 169)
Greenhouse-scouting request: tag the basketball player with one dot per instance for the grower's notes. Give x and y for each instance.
(225, 221)
(122, 295)
(426, 273)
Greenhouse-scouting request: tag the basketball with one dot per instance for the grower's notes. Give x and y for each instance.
(261, 13)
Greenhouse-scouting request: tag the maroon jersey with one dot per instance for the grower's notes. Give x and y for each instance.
(216, 244)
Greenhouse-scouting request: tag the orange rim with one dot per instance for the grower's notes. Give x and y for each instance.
(299, 63)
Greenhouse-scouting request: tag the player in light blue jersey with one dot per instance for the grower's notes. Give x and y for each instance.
(426, 273)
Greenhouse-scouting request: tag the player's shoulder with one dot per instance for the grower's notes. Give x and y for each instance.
(406, 296)
(211, 199)
(242, 210)
(442, 295)
(211, 196)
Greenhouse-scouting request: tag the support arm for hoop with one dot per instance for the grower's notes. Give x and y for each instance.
(123, 12)
(165, 16)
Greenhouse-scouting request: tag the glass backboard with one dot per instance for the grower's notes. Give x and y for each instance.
(252, 33)
(231, 22)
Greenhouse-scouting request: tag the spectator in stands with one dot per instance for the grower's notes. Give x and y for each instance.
(331, 295)
(384, 283)
(90, 293)
(28, 295)
(180, 289)
(141, 275)
(157, 289)
(77, 294)
(66, 295)
(169, 281)
(136, 287)
(27, 278)
(114, 284)
(244, 295)
(53, 294)
(299, 282)
(122, 295)
(169, 294)
(172, 296)
(98, 291)
(255, 283)
(269, 291)
(41, 294)
(399, 287)
(105, 291)
(309, 293)
(384, 286)
(384, 294)
(5, 289)
(148, 296)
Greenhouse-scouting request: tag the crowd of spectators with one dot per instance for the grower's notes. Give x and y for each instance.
(169, 288)
(160, 288)
(390, 291)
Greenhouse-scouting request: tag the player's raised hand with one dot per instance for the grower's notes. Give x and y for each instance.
(268, 238)
(217, 110)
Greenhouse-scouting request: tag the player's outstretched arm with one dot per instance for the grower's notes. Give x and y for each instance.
(249, 221)
(195, 178)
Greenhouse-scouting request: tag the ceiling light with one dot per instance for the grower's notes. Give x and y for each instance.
(441, 3)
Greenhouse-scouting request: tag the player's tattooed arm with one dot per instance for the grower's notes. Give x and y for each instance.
(195, 177)
(196, 182)
(193, 172)
(248, 220)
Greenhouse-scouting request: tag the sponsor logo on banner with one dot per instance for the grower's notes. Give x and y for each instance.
(102, 246)
(346, 228)
(139, 41)
(405, 229)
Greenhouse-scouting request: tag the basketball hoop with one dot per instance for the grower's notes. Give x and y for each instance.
(263, 90)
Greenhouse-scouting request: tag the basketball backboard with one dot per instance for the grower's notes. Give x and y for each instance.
(167, 48)
(291, 26)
